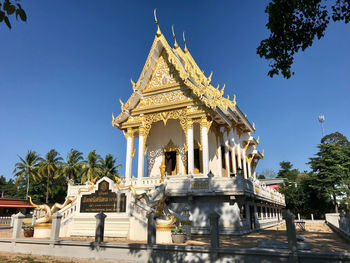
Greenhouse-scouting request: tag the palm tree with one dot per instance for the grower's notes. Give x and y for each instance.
(71, 170)
(92, 168)
(109, 168)
(49, 166)
(28, 167)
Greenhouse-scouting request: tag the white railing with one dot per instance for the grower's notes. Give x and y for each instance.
(5, 220)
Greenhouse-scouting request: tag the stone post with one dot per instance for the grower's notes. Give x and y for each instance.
(291, 232)
(214, 230)
(298, 216)
(312, 217)
(33, 219)
(187, 223)
(100, 227)
(17, 225)
(12, 219)
(151, 229)
(56, 226)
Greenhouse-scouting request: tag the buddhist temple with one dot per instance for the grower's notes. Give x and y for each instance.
(196, 155)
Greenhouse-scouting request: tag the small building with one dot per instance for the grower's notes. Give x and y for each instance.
(273, 183)
(10, 206)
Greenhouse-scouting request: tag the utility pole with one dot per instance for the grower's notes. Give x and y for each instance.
(321, 120)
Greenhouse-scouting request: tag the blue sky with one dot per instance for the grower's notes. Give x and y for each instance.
(62, 74)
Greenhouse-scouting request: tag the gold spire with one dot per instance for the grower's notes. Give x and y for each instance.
(121, 104)
(159, 33)
(133, 84)
(175, 43)
(234, 100)
(222, 90)
(183, 36)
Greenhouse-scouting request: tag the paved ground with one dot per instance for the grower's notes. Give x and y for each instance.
(21, 258)
(321, 237)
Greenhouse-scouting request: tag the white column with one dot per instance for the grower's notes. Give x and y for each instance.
(249, 169)
(227, 156)
(128, 163)
(141, 156)
(234, 158)
(205, 149)
(244, 164)
(190, 149)
(219, 157)
(239, 156)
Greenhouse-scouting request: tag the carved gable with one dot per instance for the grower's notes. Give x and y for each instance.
(164, 75)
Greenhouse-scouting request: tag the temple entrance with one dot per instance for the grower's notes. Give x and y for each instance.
(223, 162)
(197, 162)
(170, 163)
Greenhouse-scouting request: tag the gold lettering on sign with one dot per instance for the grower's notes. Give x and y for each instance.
(200, 185)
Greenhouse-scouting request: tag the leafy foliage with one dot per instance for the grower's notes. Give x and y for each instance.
(28, 168)
(10, 8)
(47, 180)
(293, 26)
(331, 166)
(286, 172)
(48, 167)
(109, 167)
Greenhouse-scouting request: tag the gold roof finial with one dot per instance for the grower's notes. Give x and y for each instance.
(253, 125)
(113, 116)
(159, 33)
(133, 84)
(234, 100)
(183, 36)
(175, 43)
(121, 104)
(222, 90)
(209, 78)
(258, 139)
(263, 153)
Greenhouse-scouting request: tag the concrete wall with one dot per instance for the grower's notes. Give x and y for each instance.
(232, 221)
(126, 252)
(340, 223)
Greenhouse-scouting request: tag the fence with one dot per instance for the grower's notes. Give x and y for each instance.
(5, 220)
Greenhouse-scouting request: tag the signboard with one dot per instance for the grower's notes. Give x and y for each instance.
(103, 200)
(199, 185)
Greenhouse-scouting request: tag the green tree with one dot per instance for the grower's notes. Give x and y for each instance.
(72, 169)
(331, 166)
(27, 167)
(293, 26)
(92, 169)
(109, 167)
(261, 176)
(287, 172)
(49, 167)
(11, 8)
(301, 197)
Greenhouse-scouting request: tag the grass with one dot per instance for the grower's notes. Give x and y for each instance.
(10, 258)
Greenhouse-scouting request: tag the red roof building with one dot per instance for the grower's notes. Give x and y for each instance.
(9, 206)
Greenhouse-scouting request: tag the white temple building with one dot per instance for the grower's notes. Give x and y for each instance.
(196, 140)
